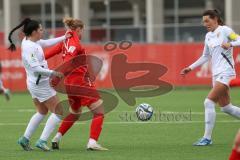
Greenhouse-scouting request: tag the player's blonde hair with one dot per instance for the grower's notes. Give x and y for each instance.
(73, 23)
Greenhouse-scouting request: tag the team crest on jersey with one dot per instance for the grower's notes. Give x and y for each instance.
(33, 58)
(71, 49)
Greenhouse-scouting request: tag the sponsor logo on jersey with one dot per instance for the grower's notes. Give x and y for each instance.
(71, 49)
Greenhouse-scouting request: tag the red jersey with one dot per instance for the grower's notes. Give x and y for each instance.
(71, 48)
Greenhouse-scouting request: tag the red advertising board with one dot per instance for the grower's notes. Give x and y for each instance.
(173, 56)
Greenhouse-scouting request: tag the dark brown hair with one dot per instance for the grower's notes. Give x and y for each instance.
(214, 14)
(29, 26)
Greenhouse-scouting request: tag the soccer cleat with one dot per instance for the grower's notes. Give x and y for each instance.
(7, 94)
(95, 147)
(42, 145)
(203, 142)
(24, 143)
(55, 145)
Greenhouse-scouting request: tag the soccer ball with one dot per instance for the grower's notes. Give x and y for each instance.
(144, 112)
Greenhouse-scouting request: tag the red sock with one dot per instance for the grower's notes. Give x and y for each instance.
(67, 123)
(96, 126)
(234, 155)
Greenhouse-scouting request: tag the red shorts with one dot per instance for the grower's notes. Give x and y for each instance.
(81, 91)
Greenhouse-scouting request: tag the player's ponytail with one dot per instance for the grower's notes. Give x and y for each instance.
(12, 46)
(214, 14)
(29, 27)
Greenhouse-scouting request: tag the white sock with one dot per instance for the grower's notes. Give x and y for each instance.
(210, 116)
(33, 124)
(1, 84)
(51, 123)
(232, 110)
(92, 141)
(2, 87)
(57, 137)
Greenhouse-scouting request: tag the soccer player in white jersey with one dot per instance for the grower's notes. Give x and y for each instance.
(3, 90)
(218, 47)
(44, 97)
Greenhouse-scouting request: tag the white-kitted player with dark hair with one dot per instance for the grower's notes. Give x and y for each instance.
(38, 73)
(218, 47)
(3, 90)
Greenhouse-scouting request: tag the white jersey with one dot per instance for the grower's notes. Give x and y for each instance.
(32, 56)
(221, 59)
(36, 66)
(34, 60)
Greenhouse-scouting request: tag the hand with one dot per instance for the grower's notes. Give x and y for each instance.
(226, 45)
(54, 81)
(55, 78)
(68, 34)
(57, 74)
(185, 71)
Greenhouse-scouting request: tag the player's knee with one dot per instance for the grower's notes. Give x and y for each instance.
(43, 112)
(98, 115)
(76, 117)
(224, 102)
(57, 110)
(209, 103)
(97, 107)
(76, 111)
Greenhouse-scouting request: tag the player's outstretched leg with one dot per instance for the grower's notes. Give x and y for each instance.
(24, 141)
(96, 126)
(54, 106)
(51, 123)
(64, 127)
(210, 116)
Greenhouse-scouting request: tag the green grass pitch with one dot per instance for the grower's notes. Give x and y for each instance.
(168, 136)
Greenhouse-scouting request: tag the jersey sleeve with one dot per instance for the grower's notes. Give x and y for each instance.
(31, 57)
(39, 70)
(50, 42)
(203, 59)
(232, 36)
(53, 51)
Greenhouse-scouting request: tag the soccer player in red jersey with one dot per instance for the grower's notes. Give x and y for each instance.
(70, 49)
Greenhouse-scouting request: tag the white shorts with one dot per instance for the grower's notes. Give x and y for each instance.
(223, 78)
(42, 92)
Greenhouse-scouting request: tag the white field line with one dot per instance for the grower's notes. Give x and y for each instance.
(133, 122)
(166, 112)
